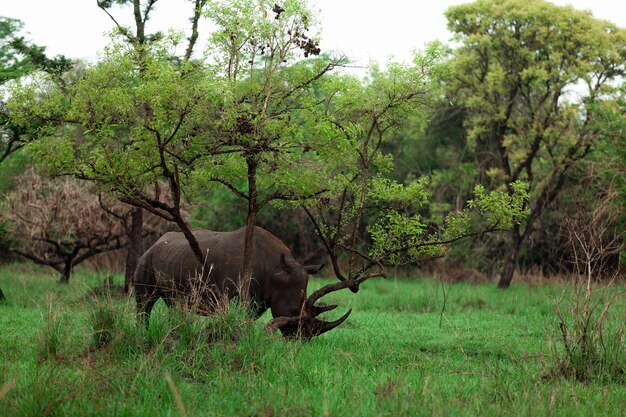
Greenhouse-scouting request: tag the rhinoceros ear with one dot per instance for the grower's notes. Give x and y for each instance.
(284, 263)
(313, 269)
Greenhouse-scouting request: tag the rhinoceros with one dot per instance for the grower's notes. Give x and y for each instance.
(169, 270)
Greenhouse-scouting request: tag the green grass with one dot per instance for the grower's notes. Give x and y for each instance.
(490, 353)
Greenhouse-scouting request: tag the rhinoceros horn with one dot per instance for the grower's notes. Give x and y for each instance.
(304, 327)
(315, 326)
(307, 325)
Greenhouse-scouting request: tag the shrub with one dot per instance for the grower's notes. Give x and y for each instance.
(592, 335)
(591, 321)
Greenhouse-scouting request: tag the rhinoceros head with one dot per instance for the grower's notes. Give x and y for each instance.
(289, 308)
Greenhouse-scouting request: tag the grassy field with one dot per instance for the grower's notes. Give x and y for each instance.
(410, 348)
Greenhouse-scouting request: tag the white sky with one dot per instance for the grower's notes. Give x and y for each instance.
(364, 30)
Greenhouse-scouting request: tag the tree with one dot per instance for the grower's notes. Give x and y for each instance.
(140, 40)
(529, 75)
(267, 138)
(236, 121)
(371, 221)
(18, 58)
(98, 129)
(59, 223)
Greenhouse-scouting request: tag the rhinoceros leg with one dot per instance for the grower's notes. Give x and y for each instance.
(145, 297)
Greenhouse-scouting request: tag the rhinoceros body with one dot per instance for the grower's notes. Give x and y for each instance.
(169, 270)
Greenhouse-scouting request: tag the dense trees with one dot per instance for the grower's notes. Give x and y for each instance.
(266, 118)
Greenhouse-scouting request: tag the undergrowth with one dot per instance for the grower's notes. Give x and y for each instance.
(591, 342)
(592, 318)
(409, 348)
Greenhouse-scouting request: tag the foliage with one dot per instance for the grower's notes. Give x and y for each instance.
(141, 13)
(126, 139)
(513, 74)
(404, 239)
(113, 147)
(11, 66)
(49, 115)
(18, 58)
(267, 127)
(365, 197)
(501, 208)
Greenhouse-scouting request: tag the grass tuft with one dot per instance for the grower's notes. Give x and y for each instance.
(591, 344)
(50, 340)
(103, 319)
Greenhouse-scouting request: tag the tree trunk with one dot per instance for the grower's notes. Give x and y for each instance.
(67, 270)
(511, 260)
(2, 298)
(246, 269)
(134, 247)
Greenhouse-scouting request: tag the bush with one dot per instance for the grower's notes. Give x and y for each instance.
(592, 336)
(591, 323)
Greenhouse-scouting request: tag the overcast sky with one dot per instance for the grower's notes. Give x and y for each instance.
(364, 30)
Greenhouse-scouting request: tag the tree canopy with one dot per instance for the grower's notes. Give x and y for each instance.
(264, 115)
(531, 77)
(19, 57)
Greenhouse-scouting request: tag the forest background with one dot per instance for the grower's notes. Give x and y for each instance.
(485, 113)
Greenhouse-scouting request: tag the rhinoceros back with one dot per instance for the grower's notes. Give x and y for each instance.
(171, 262)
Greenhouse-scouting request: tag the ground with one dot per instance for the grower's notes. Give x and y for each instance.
(410, 348)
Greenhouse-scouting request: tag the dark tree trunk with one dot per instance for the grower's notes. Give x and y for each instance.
(134, 247)
(2, 298)
(67, 270)
(511, 260)
(253, 208)
(247, 256)
(519, 237)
